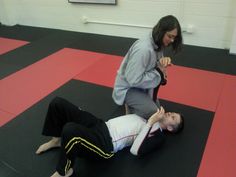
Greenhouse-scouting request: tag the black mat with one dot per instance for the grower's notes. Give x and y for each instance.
(25, 33)
(103, 44)
(35, 51)
(8, 171)
(204, 58)
(179, 157)
(44, 41)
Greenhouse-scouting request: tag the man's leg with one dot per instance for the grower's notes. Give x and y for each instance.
(59, 113)
(53, 143)
(69, 173)
(81, 141)
(140, 103)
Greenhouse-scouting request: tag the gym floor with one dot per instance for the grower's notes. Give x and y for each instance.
(37, 64)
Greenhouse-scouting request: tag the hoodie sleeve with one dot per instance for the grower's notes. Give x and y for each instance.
(140, 71)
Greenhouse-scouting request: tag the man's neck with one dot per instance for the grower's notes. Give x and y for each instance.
(163, 127)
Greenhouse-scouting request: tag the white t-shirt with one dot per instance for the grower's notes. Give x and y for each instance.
(125, 129)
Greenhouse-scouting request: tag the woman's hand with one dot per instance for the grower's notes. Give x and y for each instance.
(165, 61)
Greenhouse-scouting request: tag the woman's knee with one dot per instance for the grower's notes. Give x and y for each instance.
(146, 111)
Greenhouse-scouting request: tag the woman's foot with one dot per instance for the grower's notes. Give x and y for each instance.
(53, 143)
(127, 111)
(69, 173)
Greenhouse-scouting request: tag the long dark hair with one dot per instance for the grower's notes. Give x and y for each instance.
(164, 25)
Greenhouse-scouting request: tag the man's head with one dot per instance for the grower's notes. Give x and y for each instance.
(172, 122)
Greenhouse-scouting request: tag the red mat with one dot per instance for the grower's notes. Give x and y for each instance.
(193, 87)
(7, 45)
(219, 158)
(5, 117)
(202, 89)
(187, 86)
(24, 88)
(102, 72)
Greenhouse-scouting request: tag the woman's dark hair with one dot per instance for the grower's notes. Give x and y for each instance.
(165, 24)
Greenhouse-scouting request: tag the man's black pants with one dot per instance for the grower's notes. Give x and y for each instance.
(82, 134)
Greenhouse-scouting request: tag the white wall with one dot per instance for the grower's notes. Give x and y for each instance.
(7, 15)
(233, 43)
(213, 20)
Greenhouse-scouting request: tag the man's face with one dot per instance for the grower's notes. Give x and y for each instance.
(171, 119)
(169, 37)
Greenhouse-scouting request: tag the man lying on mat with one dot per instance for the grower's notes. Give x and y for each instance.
(81, 134)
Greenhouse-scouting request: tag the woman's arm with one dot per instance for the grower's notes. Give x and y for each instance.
(140, 71)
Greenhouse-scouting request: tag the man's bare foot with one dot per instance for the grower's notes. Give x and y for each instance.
(53, 143)
(69, 173)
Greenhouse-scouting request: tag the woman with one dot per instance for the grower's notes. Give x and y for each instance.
(143, 69)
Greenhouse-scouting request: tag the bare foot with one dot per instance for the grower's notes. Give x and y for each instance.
(127, 111)
(53, 143)
(69, 173)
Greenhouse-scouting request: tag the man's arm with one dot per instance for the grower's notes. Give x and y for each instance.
(147, 141)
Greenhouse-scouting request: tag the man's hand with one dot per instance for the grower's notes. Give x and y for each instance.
(156, 116)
